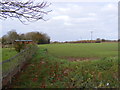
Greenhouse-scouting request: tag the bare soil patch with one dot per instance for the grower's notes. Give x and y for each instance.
(80, 59)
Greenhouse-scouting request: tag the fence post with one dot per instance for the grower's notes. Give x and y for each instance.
(15, 67)
(19, 64)
(10, 73)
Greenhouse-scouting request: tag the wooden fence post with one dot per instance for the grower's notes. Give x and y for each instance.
(21, 58)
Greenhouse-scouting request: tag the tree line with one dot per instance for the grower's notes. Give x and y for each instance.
(37, 37)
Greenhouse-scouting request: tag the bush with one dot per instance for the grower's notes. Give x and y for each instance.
(18, 47)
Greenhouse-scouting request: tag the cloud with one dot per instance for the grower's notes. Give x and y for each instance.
(72, 10)
(65, 18)
(68, 24)
(110, 7)
(76, 19)
(92, 14)
(85, 19)
(0, 29)
(64, 10)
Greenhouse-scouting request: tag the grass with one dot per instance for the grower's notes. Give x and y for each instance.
(16, 61)
(0, 54)
(8, 53)
(99, 50)
(47, 71)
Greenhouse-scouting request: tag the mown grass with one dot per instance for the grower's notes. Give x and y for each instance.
(47, 71)
(99, 50)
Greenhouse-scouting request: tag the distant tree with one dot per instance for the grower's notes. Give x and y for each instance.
(103, 40)
(12, 36)
(98, 39)
(22, 37)
(38, 37)
(0, 40)
(35, 36)
(24, 11)
(46, 39)
(118, 40)
(4, 39)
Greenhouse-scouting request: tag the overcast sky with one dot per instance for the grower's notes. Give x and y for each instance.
(73, 21)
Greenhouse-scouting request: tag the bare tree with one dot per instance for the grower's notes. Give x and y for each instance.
(12, 36)
(28, 11)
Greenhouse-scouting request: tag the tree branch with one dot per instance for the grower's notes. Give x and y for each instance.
(27, 11)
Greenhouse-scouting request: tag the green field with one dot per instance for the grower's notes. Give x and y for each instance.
(0, 54)
(73, 50)
(82, 50)
(8, 53)
(46, 70)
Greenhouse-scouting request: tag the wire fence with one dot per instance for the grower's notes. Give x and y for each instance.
(14, 65)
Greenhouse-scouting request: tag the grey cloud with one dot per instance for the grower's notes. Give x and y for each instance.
(74, 21)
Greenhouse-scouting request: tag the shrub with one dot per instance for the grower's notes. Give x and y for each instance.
(18, 46)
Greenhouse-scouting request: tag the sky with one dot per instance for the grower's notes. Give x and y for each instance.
(70, 21)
